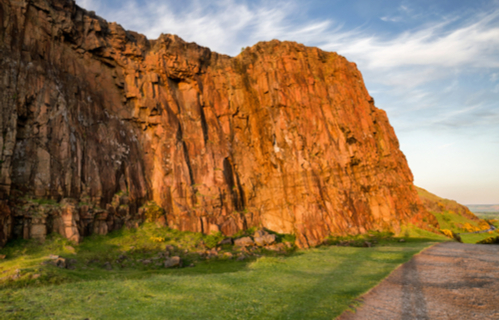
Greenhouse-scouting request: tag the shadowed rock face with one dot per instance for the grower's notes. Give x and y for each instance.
(282, 136)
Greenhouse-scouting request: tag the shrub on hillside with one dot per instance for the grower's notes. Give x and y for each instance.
(489, 240)
(152, 211)
(484, 225)
(447, 233)
(457, 237)
(213, 239)
(470, 228)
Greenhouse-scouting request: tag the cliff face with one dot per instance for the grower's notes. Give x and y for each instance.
(282, 136)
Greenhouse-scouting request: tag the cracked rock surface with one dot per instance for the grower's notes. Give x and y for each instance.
(281, 136)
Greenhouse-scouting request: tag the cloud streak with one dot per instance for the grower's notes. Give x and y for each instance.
(228, 25)
(434, 54)
(474, 45)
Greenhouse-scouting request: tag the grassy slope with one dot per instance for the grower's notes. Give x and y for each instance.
(311, 284)
(451, 215)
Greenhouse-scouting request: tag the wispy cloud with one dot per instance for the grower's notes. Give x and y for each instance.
(406, 68)
(391, 19)
(224, 26)
(228, 25)
(444, 146)
(474, 44)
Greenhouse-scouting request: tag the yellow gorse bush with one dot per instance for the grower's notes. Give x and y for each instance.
(484, 225)
(157, 239)
(447, 233)
(470, 228)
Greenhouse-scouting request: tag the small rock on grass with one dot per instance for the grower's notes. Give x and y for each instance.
(174, 261)
(16, 275)
(226, 241)
(70, 249)
(107, 266)
(58, 262)
(122, 257)
(241, 257)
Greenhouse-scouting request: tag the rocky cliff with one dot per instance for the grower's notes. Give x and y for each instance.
(99, 124)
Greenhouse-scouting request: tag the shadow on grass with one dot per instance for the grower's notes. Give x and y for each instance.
(102, 249)
(312, 284)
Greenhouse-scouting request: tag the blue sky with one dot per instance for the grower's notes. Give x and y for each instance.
(432, 65)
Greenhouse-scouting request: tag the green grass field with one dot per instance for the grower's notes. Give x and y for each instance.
(109, 279)
(318, 283)
(487, 215)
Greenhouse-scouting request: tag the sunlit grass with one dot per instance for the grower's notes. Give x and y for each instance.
(314, 284)
(318, 283)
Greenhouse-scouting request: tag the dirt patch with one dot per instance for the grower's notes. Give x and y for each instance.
(447, 281)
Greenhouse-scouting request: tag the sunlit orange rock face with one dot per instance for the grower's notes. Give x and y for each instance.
(281, 136)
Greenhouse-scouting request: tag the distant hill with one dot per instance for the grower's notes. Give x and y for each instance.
(483, 207)
(437, 204)
(485, 211)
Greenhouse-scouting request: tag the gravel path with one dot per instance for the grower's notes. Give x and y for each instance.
(447, 281)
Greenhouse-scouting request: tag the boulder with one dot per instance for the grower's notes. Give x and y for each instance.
(260, 233)
(244, 242)
(265, 240)
(276, 247)
(171, 262)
